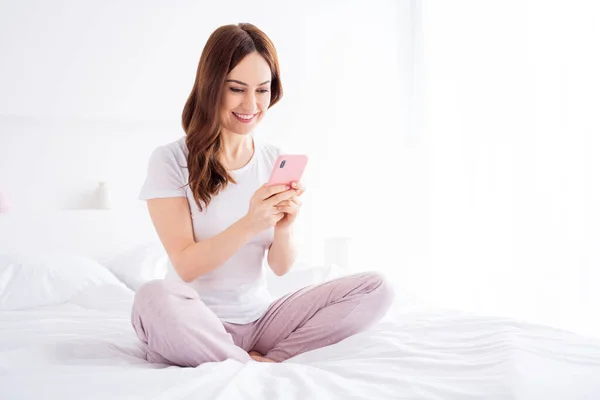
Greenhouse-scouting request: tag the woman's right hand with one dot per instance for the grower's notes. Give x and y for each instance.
(263, 213)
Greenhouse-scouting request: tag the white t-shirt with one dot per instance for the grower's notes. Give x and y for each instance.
(236, 291)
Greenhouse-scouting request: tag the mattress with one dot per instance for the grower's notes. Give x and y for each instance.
(86, 349)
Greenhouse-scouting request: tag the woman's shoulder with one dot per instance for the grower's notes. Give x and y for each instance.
(175, 151)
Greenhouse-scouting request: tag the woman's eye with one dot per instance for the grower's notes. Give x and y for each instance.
(237, 90)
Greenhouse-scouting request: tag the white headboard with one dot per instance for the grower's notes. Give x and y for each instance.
(98, 234)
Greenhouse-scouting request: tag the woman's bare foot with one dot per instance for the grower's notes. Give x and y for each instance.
(256, 356)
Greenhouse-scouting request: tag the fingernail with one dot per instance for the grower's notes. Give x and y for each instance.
(294, 185)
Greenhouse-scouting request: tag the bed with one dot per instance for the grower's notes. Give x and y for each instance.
(65, 334)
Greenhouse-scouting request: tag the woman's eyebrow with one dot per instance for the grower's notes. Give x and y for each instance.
(245, 84)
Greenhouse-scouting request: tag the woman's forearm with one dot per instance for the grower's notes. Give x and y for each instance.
(282, 253)
(208, 254)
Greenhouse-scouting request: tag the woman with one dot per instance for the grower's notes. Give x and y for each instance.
(217, 219)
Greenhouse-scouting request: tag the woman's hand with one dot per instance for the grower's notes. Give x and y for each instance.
(264, 212)
(291, 207)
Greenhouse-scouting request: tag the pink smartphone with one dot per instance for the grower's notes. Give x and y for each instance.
(287, 169)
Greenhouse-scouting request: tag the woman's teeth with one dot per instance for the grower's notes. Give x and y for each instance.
(244, 116)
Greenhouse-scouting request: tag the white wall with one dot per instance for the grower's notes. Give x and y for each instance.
(90, 88)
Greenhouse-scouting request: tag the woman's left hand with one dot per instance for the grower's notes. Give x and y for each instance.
(291, 207)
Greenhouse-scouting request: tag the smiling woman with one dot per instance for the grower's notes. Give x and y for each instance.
(217, 217)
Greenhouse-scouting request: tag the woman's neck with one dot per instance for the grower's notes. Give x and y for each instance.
(236, 150)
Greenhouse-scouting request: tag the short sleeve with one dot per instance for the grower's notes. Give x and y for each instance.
(164, 176)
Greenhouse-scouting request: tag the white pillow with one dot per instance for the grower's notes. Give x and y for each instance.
(140, 265)
(28, 281)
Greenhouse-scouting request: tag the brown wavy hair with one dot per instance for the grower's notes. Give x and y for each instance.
(225, 48)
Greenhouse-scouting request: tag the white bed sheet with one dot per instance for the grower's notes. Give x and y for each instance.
(86, 349)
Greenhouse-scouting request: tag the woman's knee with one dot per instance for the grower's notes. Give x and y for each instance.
(381, 287)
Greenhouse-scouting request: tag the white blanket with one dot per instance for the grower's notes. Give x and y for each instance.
(86, 349)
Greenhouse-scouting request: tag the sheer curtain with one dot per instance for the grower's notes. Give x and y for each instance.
(512, 137)
(457, 144)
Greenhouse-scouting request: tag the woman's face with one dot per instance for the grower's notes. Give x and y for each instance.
(246, 95)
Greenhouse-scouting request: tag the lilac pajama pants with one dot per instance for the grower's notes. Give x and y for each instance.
(176, 327)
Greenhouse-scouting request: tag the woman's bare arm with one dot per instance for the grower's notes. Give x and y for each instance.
(173, 223)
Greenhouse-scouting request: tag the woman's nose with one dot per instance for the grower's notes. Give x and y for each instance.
(249, 103)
